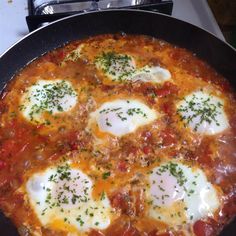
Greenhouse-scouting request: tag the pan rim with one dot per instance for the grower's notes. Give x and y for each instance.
(114, 10)
(111, 10)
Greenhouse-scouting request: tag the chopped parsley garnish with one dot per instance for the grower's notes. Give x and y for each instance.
(66, 192)
(108, 123)
(122, 115)
(69, 187)
(81, 222)
(179, 173)
(64, 172)
(175, 171)
(138, 111)
(200, 107)
(102, 196)
(13, 114)
(117, 65)
(105, 175)
(47, 98)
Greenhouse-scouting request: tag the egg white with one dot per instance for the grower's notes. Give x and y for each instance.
(122, 67)
(203, 113)
(153, 74)
(62, 198)
(47, 96)
(122, 116)
(179, 194)
(75, 54)
(117, 67)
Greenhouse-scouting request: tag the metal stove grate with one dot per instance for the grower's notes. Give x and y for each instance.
(43, 12)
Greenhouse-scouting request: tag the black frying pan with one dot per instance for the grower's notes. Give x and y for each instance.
(217, 53)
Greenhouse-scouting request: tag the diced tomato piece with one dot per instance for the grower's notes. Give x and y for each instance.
(116, 200)
(131, 231)
(7, 146)
(95, 233)
(122, 201)
(167, 89)
(167, 108)
(132, 150)
(122, 166)
(119, 200)
(229, 209)
(61, 54)
(139, 202)
(71, 142)
(11, 147)
(130, 203)
(107, 88)
(164, 234)
(162, 92)
(74, 145)
(168, 137)
(202, 228)
(153, 233)
(147, 135)
(204, 152)
(3, 164)
(49, 57)
(147, 149)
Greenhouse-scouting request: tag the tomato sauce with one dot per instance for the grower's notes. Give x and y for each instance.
(26, 147)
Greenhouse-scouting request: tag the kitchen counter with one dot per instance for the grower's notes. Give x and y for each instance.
(13, 24)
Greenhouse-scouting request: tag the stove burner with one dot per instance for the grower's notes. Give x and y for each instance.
(43, 12)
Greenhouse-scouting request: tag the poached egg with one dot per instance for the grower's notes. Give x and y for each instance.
(47, 96)
(62, 199)
(179, 194)
(203, 113)
(121, 116)
(122, 68)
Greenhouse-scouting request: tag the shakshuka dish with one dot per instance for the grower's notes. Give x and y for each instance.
(118, 135)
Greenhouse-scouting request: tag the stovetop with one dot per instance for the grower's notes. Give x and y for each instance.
(13, 24)
(42, 12)
(44, 7)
